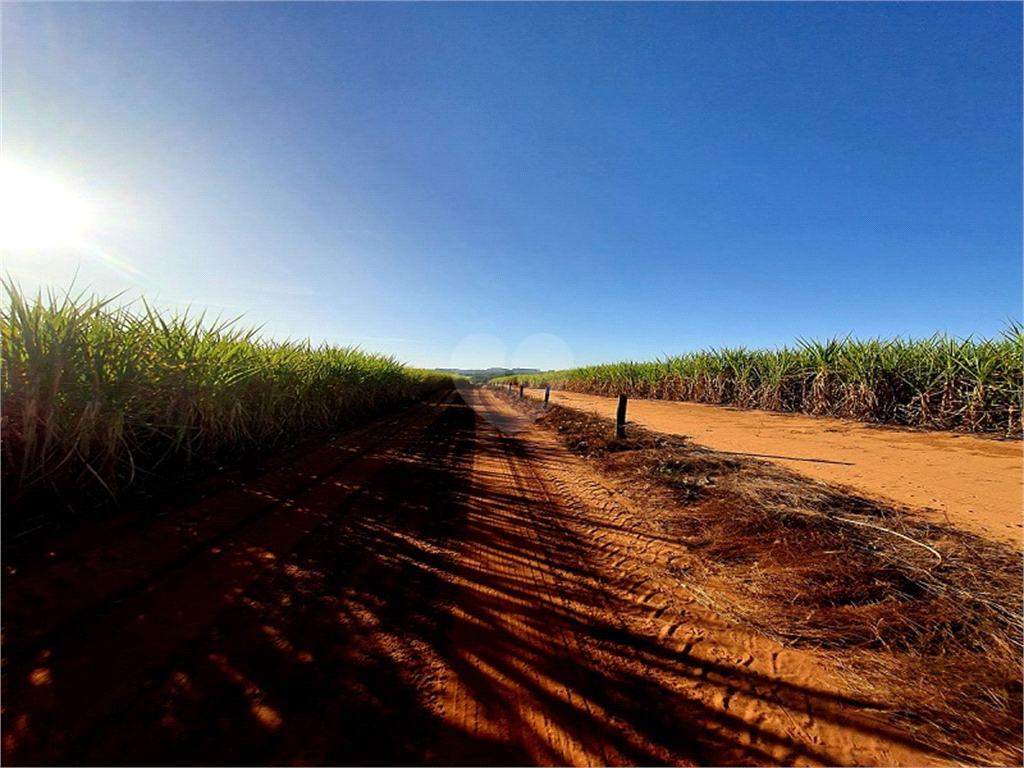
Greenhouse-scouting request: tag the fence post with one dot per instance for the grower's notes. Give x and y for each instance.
(547, 396)
(520, 390)
(620, 418)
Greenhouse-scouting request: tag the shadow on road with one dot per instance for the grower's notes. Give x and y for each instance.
(339, 654)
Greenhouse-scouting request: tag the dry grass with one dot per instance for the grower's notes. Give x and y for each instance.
(913, 611)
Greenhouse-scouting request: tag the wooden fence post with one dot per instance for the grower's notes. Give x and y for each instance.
(620, 418)
(547, 396)
(520, 390)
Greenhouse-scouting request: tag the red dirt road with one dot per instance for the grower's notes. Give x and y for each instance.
(425, 590)
(974, 483)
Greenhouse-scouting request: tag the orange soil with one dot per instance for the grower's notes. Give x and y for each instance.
(974, 483)
(579, 644)
(426, 590)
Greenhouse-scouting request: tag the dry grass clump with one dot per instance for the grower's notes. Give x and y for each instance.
(98, 395)
(926, 613)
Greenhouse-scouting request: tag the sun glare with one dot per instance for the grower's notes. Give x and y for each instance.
(35, 211)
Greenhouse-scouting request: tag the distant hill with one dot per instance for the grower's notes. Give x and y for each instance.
(483, 374)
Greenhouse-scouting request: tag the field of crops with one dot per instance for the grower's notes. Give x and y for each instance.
(98, 396)
(938, 383)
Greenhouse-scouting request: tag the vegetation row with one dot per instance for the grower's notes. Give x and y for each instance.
(97, 395)
(939, 383)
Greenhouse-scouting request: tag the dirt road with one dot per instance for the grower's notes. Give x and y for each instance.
(425, 590)
(975, 483)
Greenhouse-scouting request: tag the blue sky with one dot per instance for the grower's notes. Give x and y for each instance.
(631, 179)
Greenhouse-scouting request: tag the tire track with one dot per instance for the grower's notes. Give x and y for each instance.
(507, 683)
(539, 501)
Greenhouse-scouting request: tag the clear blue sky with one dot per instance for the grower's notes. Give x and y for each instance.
(634, 179)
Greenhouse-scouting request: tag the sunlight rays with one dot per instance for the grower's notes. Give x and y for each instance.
(38, 213)
(35, 211)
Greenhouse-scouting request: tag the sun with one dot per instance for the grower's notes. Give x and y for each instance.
(37, 212)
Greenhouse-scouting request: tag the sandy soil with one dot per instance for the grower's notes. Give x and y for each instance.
(426, 590)
(975, 483)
